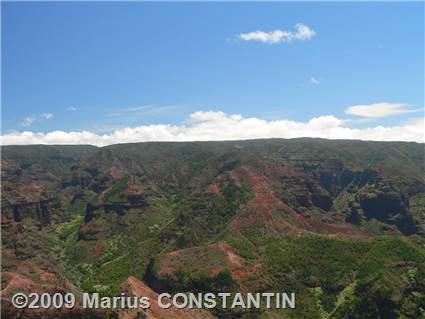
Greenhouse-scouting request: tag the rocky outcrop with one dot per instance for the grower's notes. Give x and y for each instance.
(39, 211)
(120, 208)
(388, 207)
(135, 287)
(8, 311)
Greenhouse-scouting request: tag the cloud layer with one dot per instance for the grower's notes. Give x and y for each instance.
(378, 110)
(301, 32)
(210, 126)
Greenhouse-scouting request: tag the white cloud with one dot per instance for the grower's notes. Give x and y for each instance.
(210, 126)
(29, 120)
(141, 111)
(378, 110)
(314, 81)
(47, 115)
(302, 32)
(140, 108)
(71, 108)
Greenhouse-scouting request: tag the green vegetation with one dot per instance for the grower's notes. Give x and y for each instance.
(350, 278)
(114, 194)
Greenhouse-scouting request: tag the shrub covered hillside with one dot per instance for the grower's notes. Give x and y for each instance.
(341, 223)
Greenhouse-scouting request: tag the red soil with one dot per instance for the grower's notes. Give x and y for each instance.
(135, 287)
(116, 172)
(266, 204)
(214, 188)
(234, 263)
(98, 249)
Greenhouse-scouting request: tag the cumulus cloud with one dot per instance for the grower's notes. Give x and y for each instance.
(28, 121)
(47, 115)
(71, 108)
(301, 32)
(210, 126)
(378, 110)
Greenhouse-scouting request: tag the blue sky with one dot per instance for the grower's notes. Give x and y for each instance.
(103, 66)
